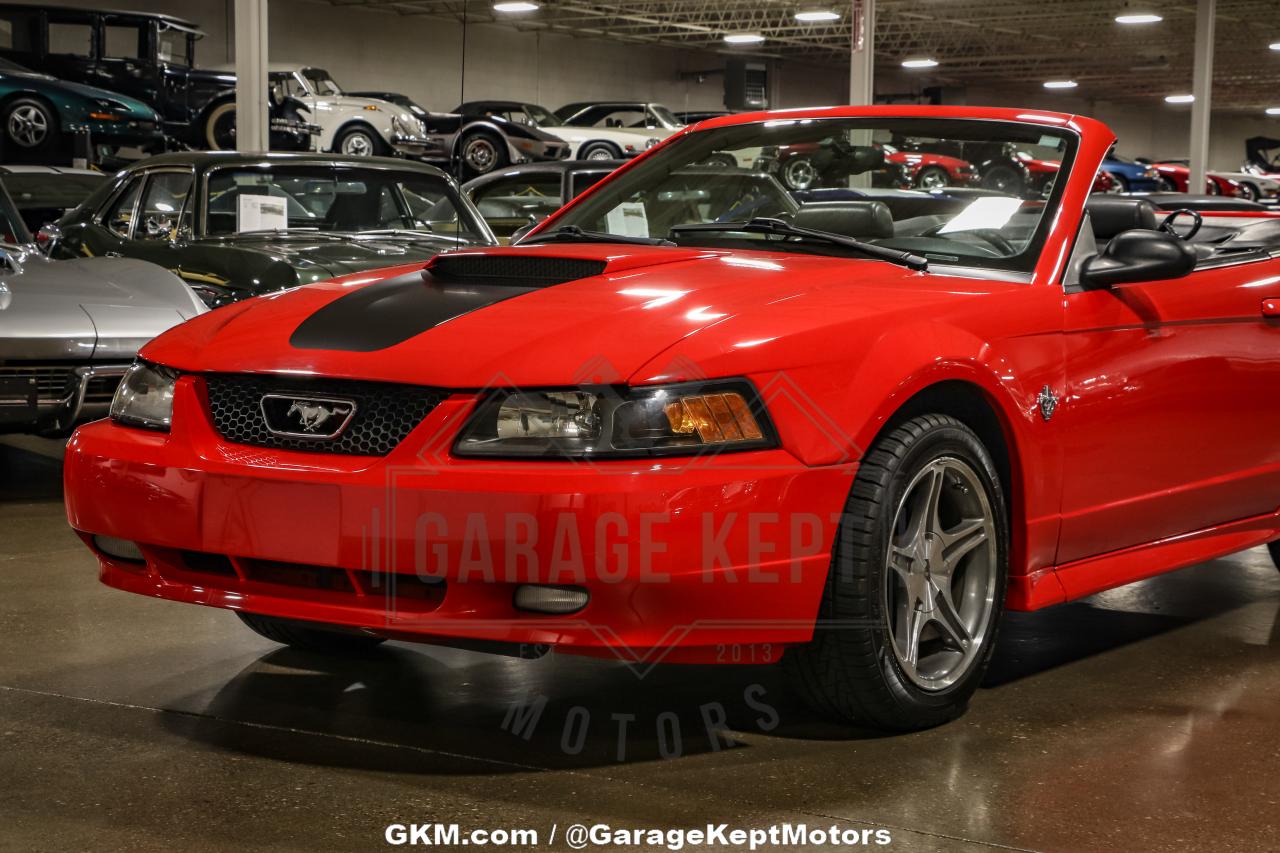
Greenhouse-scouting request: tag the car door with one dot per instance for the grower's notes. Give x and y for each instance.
(125, 60)
(1169, 420)
(163, 218)
(105, 231)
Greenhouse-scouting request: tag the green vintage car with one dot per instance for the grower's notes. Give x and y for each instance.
(238, 225)
(39, 113)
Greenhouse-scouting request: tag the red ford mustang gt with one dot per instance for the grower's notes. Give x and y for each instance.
(844, 433)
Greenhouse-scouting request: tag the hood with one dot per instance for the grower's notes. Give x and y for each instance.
(332, 255)
(90, 308)
(508, 324)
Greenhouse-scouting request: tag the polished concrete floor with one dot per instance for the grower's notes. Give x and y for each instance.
(1143, 719)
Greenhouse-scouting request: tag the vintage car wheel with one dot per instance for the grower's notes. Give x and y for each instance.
(30, 124)
(1249, 191)
(917, 582)
(359, 141)
(220, 127)
(799, 173)
(309, 636)
(933, 178)
(599, 151)
(481, 153)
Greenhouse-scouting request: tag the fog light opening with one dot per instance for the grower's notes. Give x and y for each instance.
(120, 549)
(539, 598)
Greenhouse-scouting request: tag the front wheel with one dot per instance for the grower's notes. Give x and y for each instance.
(30, 124)
(599, 151)
(309, 636)
(1249, 191)
(908, 619)
(481, 153)
(1004, 179)
(360, 141)
(220, 127)
(933, 178)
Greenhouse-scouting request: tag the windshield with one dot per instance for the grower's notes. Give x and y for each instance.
(328, 198)
(13, 232)
(665, 116)
(535, 115)
(173, 47)
(7, 65)
(321, 82)
(964, 194)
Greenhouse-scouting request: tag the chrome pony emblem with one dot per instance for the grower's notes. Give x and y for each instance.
(1048, 402)
(306, 417)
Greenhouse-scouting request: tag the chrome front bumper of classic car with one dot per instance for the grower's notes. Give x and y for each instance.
(410, 145)
(52, 398)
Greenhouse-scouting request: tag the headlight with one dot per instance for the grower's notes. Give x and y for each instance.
(144, 397)
(617, 422)
(652, 141)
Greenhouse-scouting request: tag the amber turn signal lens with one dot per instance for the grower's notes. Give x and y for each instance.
(716, 418)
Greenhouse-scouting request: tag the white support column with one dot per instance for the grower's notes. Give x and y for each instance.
(862, 15)
(252, 123)
(1201, 87)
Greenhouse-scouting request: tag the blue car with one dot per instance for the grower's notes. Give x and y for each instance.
(1130, 175)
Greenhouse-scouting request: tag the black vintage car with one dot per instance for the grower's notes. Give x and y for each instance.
(148, 57)
(237, 225)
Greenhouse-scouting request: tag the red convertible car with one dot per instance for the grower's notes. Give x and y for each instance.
(848, 433)
(1176, 176)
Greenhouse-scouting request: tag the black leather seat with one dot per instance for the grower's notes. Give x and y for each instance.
(1112, 215)
(865, 220)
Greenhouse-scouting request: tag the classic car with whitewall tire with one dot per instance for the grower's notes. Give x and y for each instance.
(350, 125)
(584, 143)
(39, 113)
(478, 146)
(145, 57)
(70, 329)
(237, 225)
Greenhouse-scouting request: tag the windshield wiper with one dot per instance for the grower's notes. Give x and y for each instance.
(764, 225)
(574, 234)
(408, 232)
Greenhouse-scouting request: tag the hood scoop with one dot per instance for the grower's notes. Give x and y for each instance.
(390, 312)
(524, 270)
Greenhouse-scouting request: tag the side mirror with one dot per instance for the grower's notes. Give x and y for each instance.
(1138, 255)
(48, 238)
(519, 233)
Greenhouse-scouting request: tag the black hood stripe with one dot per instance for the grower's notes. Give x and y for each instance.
(391, 312)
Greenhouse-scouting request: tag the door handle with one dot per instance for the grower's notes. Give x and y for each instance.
(1271, 308)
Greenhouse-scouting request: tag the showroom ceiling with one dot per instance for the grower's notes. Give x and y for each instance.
(980, 42)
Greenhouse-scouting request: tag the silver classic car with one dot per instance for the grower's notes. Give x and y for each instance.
(69, 329)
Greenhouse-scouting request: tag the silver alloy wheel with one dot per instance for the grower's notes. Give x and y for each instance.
(600, 153)
(28, 125)
(480, 154)
(941, 574)
(357, 143)
(933, 178)
(799, 173)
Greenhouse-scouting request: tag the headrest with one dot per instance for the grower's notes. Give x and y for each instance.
(866, 219)
(1112, 215)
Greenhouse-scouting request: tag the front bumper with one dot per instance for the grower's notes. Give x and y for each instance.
(139, 133)
(682, 558)
(408, 144)
(536, 150)
(52, 398)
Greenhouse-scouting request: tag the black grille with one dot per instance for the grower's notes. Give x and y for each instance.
(529, 270)
(385, 413)
(52, 383)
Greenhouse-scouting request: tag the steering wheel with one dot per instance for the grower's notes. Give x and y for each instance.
(1197, 220)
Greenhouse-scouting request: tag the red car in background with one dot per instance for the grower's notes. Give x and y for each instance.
(801, 167)
(851, 433)
(927, 171)
(1176, 175)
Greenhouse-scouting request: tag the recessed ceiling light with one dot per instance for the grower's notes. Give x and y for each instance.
(817, 15)
(1275, 45)
(1273, 111)
(1139, 18)
(920, 63)
(520, 6)
(1179, 99)
(1060, 84)
(743, 38)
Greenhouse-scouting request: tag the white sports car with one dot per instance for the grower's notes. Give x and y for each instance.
(351, 125)
(585, 143)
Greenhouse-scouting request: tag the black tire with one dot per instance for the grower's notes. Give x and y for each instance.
(1249, 191)
(1122, 183)
(360, 140)
(933, 177)
(309, 636)
(850, 670)
(599, 151)
(799, 174)
(31, 126)
(482, 152)
(1167, 185)
(1274, 548)
(1005, 179)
